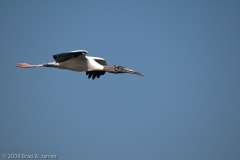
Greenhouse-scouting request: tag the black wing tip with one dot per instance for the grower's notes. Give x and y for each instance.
(61, 57)
(54, 57)
(94, 74)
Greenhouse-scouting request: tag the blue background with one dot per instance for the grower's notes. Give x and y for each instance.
(186, 106)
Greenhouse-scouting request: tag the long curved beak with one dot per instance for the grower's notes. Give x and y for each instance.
(119, 69)
(127, 70)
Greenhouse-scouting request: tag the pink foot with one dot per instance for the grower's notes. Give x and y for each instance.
(22, 65)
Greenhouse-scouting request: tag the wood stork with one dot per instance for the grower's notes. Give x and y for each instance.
(78, 61)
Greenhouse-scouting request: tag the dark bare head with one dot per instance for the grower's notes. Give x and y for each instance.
(119, 69)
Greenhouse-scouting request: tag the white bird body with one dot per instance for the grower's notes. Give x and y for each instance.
(81, 63)
(77, 61)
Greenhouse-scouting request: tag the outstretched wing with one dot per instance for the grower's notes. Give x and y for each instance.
(68, 55)
(100, 60)
(94, 74)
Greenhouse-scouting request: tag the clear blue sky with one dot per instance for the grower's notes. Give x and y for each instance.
(186, 107)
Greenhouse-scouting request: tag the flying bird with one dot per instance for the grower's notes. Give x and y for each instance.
(78, 61)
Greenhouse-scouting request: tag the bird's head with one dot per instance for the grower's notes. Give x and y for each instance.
(119, 69)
